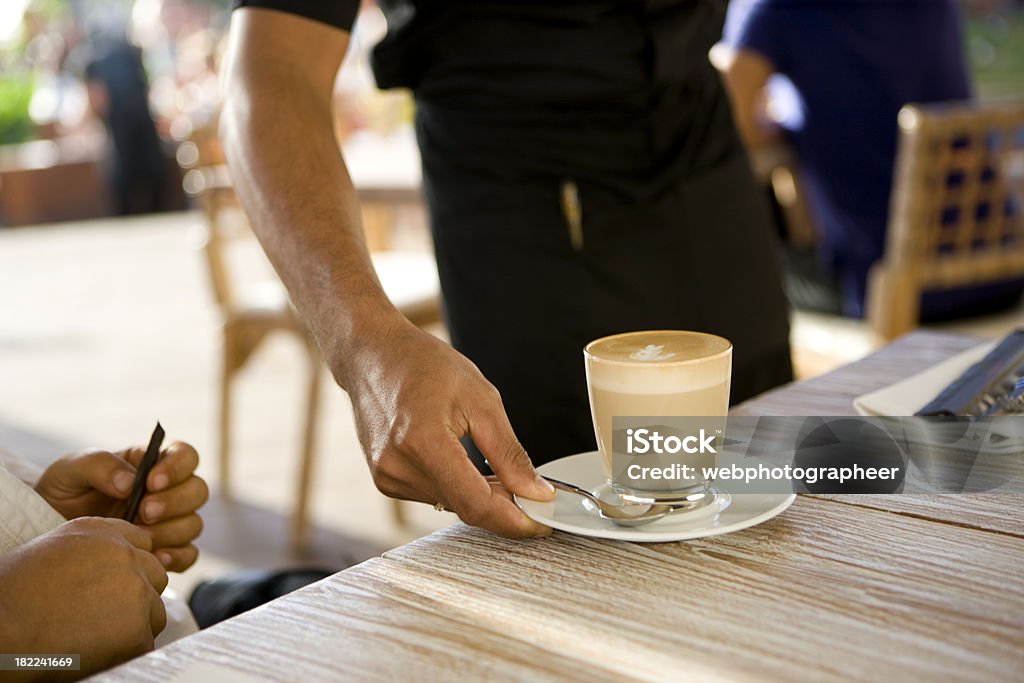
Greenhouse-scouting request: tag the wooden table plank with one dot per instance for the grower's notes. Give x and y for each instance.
(362, 624)
(818, 594)
(1003, 513)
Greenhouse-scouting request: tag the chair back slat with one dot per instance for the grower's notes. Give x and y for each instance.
(957, 210)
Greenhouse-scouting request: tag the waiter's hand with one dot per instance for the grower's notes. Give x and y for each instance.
(414, 396)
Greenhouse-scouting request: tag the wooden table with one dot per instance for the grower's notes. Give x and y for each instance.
(869, 588)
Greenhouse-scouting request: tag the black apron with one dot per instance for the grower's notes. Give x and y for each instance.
(517, 100)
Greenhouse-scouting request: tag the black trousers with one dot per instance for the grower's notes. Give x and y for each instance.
(521, 302)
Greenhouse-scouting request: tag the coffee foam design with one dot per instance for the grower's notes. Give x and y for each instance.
(657, 347)
(652, 352)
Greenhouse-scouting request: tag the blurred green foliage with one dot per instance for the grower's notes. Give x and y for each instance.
(15, 123)
(995, 49)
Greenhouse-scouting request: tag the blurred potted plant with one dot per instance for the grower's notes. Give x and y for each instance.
(15, 123)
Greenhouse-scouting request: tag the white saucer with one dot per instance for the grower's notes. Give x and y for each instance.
(572, 513)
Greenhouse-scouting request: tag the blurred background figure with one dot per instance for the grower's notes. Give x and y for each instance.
(118, 94)
(829, 80)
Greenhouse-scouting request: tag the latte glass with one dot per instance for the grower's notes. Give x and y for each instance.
(637, 377)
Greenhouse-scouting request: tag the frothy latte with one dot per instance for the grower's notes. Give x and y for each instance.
(666, 372)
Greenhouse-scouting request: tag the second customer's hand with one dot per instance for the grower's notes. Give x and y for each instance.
(414, 397)
(97, 483)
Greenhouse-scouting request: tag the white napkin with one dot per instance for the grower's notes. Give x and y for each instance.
(910, 395)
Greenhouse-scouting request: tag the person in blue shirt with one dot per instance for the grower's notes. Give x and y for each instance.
(841, 70)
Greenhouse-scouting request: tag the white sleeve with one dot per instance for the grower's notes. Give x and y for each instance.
(27, 471)
(24, 514)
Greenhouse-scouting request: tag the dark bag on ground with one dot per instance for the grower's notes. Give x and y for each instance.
(219, 599)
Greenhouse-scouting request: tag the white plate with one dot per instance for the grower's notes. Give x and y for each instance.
(568, 513)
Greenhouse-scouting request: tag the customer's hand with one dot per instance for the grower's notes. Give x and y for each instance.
(98, 483)
(414, 396)
(89, 587)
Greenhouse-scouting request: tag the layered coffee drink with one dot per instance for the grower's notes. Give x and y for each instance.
(665, 373)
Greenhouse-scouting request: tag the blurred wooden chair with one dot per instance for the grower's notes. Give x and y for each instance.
(249, 313)
(957, 210)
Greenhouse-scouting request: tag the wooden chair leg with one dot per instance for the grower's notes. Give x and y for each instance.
(229, 364)
(398, 512)
(300, 515)
(893, 301)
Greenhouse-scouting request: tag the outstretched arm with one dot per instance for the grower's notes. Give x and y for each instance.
(745, 74)
(413, 396)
